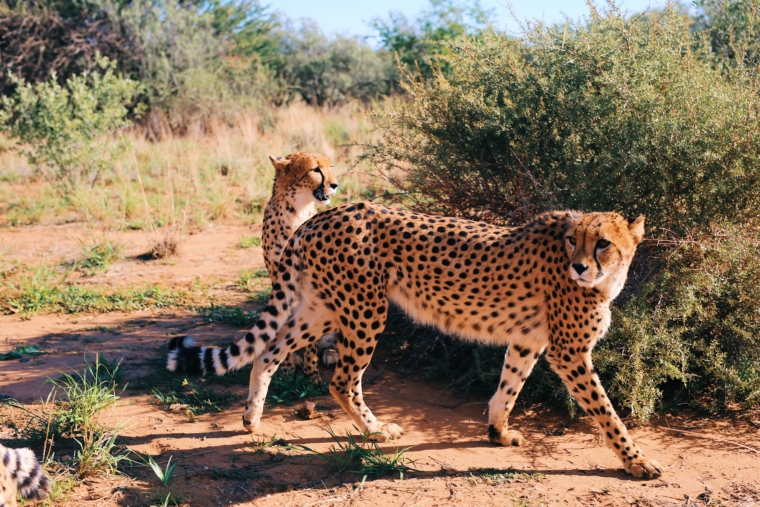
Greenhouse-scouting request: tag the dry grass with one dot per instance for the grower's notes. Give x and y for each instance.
(220, 172)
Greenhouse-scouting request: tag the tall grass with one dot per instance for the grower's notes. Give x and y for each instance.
(217, 171)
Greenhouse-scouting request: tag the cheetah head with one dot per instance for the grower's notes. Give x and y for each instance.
(309, 175)
(600, 247)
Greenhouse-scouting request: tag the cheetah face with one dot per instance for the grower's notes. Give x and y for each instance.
(600, 246)
(308, 175)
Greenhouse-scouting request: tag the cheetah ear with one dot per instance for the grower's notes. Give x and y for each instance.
(279, 163)
(637, 229)
(572, 216)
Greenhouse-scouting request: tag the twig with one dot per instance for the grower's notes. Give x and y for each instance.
(716, 439)
(241, 487)
(412, 496)
(331, 499)
(374, 377)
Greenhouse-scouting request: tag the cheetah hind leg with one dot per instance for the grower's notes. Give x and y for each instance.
(328, 350)
(293, 336)
(518, 363)
(311, 364)
(346, 384)
(291, 364)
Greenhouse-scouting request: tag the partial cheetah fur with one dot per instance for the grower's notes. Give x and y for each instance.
(301, 181)
(543, 287)
(21, 475)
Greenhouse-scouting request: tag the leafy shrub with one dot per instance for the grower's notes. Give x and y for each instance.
(731, 30)
(183, 48)
(38, 37)
(614, 113)
(418, 44)
(691, 334)
(328, 72)
(64, 129)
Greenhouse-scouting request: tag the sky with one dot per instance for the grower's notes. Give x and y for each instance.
(350, 17)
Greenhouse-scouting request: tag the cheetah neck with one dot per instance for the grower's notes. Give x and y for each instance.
(284, 214)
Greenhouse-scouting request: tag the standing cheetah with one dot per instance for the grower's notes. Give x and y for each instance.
(21, 474)
(544, 286)
(301, 180)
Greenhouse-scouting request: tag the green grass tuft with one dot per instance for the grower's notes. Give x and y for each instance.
(249, 241)
(233, 315)
(43, 290)
(251, 280)
(99, 256)
(288, 389)
(365, 458)
(193, 399)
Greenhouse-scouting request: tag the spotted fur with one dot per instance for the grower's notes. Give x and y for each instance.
(301, 181)
(543, 287)
(21, 475)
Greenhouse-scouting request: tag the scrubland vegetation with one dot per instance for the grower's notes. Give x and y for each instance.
(164, 122)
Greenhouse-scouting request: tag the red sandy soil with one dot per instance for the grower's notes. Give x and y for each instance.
(707, 461)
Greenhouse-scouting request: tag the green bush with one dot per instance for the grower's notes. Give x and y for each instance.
(38, 37)
(418, 44)
(67, 131)
(329, 71)
(614, 113)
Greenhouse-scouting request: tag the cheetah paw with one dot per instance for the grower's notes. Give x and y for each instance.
(330, 358)
(386, 432)
(644, 468)
(250, 426)
(509, 437)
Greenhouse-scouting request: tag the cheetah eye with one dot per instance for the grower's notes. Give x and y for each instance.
(317, 170)
(602, 243)
(571, 240)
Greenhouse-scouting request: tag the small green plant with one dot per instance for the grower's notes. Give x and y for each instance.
(76, 415)
(164, 475)
(100, 255)
(249, 241)
(288, 389)
(365, 458)
(233, 315)
(195, 400)
(252, 279)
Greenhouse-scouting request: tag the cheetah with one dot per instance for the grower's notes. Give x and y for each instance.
(301, 181)
(545, 286)
(21, 474)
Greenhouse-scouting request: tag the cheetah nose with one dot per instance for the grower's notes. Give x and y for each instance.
(579, 268)
(333, 185)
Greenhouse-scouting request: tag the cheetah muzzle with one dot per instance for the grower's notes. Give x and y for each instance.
(543, 287)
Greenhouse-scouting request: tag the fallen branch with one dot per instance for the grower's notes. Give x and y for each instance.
(716, 439)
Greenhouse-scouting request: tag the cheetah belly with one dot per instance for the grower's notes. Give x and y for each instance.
(527, 328)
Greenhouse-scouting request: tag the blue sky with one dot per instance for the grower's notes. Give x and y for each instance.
(350, 17)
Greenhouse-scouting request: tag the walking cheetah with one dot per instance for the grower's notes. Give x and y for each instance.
(544, 286)
(301, 180)
(21, 474)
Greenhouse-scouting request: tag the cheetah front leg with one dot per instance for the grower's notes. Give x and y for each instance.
(354, 355)
(518, 363)
(576, 370)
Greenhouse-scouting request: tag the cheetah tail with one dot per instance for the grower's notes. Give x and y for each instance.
(185, 356)
(31, 481)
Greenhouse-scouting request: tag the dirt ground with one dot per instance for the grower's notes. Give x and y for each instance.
(707, 461)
